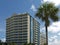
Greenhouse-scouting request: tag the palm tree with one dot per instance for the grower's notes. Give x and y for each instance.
(47, 12)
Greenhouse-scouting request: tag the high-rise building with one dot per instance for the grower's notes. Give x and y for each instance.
(22, 28)
(42, 39)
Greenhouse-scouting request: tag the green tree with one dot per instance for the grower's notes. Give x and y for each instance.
(45, 44)
(25, 44)
(12, 43)
(28, 44)
(47, 12)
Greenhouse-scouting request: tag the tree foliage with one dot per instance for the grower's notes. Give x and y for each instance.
(47, 12)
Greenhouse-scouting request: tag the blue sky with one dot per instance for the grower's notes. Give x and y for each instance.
(9, 7)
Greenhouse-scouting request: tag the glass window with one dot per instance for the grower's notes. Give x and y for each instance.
(31, 31)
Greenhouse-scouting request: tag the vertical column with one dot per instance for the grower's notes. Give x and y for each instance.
(28, 30)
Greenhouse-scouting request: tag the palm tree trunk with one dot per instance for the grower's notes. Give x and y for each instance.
(46, 34)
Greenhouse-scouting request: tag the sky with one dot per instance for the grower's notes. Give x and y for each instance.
(9, 7)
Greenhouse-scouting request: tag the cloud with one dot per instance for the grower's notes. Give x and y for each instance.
(54, 27)
(59, 34)
(3, 39)
(50, 39)
(2, 35)
(54, 40)
(33, 8)
(57, 2)
(53, 37)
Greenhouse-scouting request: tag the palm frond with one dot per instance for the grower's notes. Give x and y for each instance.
(47, 10)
